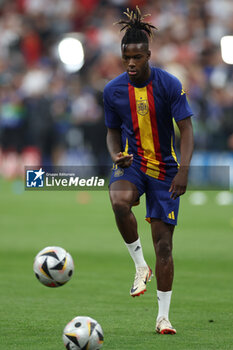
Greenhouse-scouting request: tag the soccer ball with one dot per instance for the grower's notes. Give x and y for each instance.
(83, 333)
(53, 266)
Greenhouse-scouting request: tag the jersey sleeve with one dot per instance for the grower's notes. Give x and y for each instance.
(180, 108)
(112, 119)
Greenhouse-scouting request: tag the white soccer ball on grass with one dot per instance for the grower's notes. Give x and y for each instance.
(83, 333)
(53, 266)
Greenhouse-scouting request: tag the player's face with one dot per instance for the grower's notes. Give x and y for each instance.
(135, 58)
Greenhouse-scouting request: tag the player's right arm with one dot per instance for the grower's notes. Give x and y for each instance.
(114, 148)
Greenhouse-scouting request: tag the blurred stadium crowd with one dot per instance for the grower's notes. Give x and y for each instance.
(48, 115)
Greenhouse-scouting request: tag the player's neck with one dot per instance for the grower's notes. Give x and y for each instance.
(147, 75)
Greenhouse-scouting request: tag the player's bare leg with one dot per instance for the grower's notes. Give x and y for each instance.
(123, 195)
(162, 239)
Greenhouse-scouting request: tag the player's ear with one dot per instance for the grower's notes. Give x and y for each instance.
(148, 54)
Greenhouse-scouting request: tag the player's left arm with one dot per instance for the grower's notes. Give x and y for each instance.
(180, 181)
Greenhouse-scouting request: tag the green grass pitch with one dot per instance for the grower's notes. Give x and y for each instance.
(32, 317)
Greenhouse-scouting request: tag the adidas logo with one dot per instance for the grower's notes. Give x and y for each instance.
(137, 248)
(171, 215)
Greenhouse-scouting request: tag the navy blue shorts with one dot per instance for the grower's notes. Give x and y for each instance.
(159, 205)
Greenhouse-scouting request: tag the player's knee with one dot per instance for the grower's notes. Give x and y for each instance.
(163, 249)
(120, 204)
(120, 207)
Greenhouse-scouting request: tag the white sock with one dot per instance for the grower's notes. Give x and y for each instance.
(164, 300)
(135, 250)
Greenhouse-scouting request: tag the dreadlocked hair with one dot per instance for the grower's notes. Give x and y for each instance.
(136, 30)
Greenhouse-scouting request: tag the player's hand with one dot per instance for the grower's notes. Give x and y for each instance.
(123, 161)
(179, 184)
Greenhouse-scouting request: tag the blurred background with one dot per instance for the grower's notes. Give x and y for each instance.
(51, 113)
(51, 109)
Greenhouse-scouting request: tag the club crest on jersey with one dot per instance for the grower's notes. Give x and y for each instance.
(142, 107)
(118, 172)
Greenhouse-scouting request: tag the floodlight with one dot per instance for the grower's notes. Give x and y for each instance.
(70, 50)
(227, 49)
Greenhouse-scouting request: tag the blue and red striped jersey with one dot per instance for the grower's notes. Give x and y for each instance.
(145, 115)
